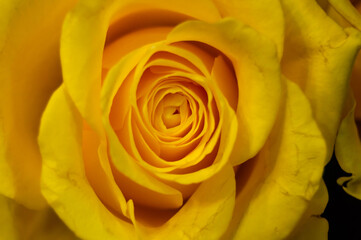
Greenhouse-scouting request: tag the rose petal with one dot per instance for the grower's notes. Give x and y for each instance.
(98, 171)
(205, 215)
(64, 183)
(348, 151)
(318, 56)
(226, 80)
(83, 40)
(356, 85)
(348, 11)
(29, 41)
(204, 10)
(258, 75)
(253, 14)
(285, 176)
(312, 226)
(18, 222)
(135, 39)
(228, 129)
(228, 125)
(122, 160)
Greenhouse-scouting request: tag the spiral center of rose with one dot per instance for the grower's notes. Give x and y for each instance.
(171, 105)
(174, 110)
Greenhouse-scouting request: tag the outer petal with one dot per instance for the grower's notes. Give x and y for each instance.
(64, 183)
(18, 222)
(258, 75)
(285, 175)
(348, 145)
(29, 46)
(347, 15)
(205, 215)
(312, 226)
(253, 14)
(318, 56)
(348, 152)
(356, 86)
(7, 228)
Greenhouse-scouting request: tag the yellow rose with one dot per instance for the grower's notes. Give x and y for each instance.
(356, 75)
(348, 145)
(181, 120)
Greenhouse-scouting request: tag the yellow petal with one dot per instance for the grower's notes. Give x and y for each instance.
(83, 39)
(356, 85)
(7, 227)
(205, 215)
(253, 14)
(19, 222)
(348, 11)
(258, 76)
(204, 10)
(286, 173)
(29, 72)
(120, 47)
(348, 152)
(312, 226)
(226, 80)
(128, 168)
(98, 171)
(315, 228)
(64, 183)
(318, 56)
(125, 162)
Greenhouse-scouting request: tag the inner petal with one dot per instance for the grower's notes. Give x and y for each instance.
(171, 116)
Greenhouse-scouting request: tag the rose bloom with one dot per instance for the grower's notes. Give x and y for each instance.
(348, 145)
(130, 119)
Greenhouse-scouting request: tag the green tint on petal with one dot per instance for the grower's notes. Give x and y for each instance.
(289, 170)
(29, 72)
(63, 179)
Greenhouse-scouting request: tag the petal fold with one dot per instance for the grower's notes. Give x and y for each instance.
(253, 14)
(318, 56)
(312, 225)
(291, 164)
(348, 152)
(206, 214)
(348, 11)
(63, 179)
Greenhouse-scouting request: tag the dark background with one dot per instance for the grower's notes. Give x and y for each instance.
(343, 212)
